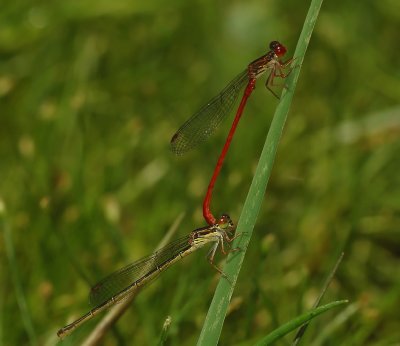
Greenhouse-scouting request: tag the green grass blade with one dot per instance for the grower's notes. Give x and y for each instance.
(216, 314)
(339, 321)
(328, 281)
(16, 278)
(165, 331)
(297, 322)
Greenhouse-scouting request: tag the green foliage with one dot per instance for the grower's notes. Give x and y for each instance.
(297, 323)
(90, 94)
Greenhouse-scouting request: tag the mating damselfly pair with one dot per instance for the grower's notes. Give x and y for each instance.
(126, 281)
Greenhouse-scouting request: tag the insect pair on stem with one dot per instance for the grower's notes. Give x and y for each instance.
(126, 281)
(205, 121)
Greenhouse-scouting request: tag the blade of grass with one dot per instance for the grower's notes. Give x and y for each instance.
(297, 322)
(217, 311)
(165, 330)
(16, 278)
(328, 281)
(336, 323)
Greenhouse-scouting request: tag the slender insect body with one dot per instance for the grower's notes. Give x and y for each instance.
(110, 290)
(206, 120)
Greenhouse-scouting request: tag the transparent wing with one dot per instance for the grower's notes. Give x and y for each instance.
(122, 278)
(203, 123)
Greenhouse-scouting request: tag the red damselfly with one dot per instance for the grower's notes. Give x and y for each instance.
(204, 122)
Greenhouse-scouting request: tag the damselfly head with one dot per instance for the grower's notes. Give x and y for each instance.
(278, 48)
(225, 221)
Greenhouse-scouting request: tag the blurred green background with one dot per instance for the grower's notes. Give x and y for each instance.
(91, 93)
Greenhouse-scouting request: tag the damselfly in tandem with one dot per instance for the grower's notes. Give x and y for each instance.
(126, 281)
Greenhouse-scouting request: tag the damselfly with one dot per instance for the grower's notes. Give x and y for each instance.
(126, 281)
(205, 121)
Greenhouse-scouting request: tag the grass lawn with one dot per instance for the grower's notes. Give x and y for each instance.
(91, 93)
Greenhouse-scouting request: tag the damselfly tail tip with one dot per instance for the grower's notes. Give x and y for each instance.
(60, 333)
